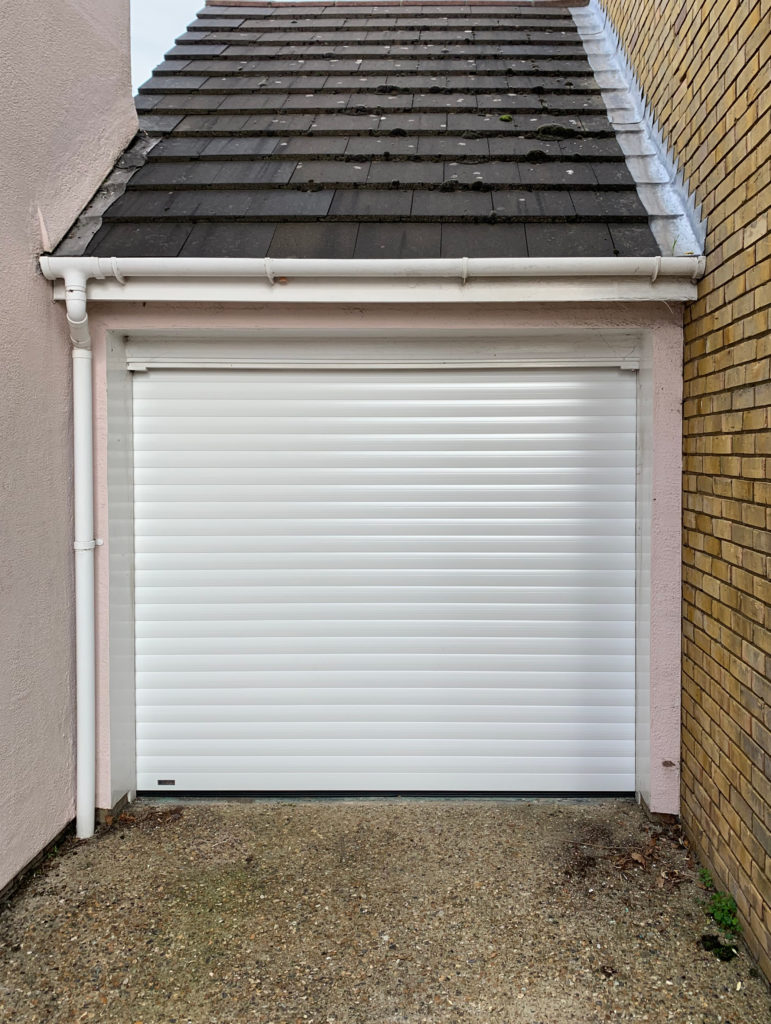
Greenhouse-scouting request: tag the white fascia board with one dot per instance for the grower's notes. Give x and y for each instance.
(335, 292)
(466, 280)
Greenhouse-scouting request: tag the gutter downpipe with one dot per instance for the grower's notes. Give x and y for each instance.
(84, 545)
(78, 270)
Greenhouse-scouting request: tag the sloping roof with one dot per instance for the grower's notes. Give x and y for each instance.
(362, 130)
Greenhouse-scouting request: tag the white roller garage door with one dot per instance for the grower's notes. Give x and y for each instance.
(385, 579)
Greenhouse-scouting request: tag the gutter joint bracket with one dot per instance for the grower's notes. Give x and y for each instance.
(116, 270)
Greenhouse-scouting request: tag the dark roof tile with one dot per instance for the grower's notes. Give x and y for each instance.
(233, 240)
(496, 172)
(313, 101)
(538, 203)
(345, 123)
(612, 174)
(163, 84)
(244, 103)
(633, 238)
(300, 145)
(158, 239)
(222, 23)
(236, 148)
(506, 240)
(558, 173)
(218, 204)
(390, 145)
(333, 171)
(378, 203)
(178, 149)
(254, 172)
(171, 67)
(194, 103)
(165, 174)
(568, 240)
(141, 205)
(158, 124)
(452, 146)
(213, 124)
(314, 241)
(144, 104)
(449, 205)
(405, 172)
(589, 149)
(412, 122)
(615, 205)
(522, 148)
(398, 241)
(286, 204)
(193, 51)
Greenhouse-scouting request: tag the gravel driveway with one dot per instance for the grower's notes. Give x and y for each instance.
(384, 911)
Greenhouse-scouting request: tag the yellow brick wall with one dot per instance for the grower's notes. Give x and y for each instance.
(704, 69)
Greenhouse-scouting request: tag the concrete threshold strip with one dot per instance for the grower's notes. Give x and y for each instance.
(78, 279)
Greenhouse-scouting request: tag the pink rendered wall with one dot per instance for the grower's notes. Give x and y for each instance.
(661, 361)
(665, 570)
(64, 79)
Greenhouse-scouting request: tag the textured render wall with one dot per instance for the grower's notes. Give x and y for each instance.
(64, 79)
(704, 70)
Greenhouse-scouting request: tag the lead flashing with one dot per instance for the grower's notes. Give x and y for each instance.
(675, 220)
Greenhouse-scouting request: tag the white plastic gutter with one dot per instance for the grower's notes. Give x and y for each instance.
(98, 267)
(656, 278)
(611, 279)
